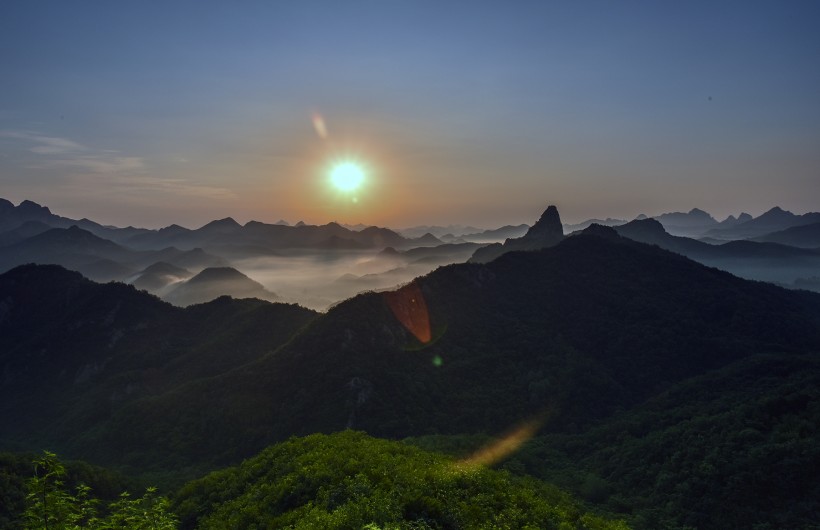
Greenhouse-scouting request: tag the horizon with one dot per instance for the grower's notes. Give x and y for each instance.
(531, 221)
(476, 114)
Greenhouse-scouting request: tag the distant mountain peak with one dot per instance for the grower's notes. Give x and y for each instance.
(428, 238)
(389, 251)
(227, 222)
(546, 232)
(172, 229)
(300, 223)
(218, 274)
(31, 207)
(596, 229)
(548, 225)
(777, 211)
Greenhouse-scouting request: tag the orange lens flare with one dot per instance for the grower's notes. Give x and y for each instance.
(501, 449)
(319, 125)
(409, 308)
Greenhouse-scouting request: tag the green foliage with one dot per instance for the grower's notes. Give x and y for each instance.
(351, 480)
(50, 506)
(737, 448)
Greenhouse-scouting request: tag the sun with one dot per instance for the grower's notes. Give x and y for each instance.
(347, 176)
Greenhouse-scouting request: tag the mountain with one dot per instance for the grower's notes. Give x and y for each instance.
(497, 234)
(652, 232)
(214, 282)
(441, 254)
(350, 480)
(699, 455)
(427, 240)
(617, 351)
(226, 237)
(732, 220)
(774, 220)
(544, 333)
(805, 236)
(24, 231)
(195, 258)
(569, 228)
(547, 231)
(73, 352)
(99, 259)
(156, 238)
(754, 260)
(71, 247)
(694, 222)
(220, 227)
(12, 217)
(159, 276)
(438, 231)
(694, 217)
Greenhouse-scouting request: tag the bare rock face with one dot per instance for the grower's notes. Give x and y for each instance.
(546, 232)
(548, 228)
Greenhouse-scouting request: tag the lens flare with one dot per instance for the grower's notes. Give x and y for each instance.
(319, 125)
(347, 176)
(410, 308)
(505, 446)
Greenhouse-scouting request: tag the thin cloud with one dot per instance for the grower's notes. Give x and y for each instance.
(104, 172)
(146, 187)
(66, 153)
(95, 163)
(45, 145)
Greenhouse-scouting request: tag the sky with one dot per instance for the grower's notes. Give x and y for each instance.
(149, 113)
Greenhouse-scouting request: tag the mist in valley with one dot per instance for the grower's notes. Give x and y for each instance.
(318, 280)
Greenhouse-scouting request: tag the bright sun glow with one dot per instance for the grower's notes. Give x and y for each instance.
(347, 176)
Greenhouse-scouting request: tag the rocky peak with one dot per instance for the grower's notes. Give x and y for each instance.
(548, 226)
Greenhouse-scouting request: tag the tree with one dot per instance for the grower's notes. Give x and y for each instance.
(49, 506)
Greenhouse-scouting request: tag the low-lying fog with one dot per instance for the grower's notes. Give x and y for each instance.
(319, 280)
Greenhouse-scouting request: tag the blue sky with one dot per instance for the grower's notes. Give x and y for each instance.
(150, 113)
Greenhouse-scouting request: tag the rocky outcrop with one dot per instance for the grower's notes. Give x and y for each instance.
(548, 231)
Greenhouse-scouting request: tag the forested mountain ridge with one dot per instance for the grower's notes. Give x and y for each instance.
(72, 351)
(572, 333)
(587, 339)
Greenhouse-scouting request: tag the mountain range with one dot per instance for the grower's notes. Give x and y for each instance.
(30, 233)
(626, 359)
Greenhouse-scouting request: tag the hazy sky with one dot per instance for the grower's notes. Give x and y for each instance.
(151, 113)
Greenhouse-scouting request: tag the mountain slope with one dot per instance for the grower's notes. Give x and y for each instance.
(215, 282)
(750, 259)
(805, 236)
(159, 276)
(571, 333)
(73, 352)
